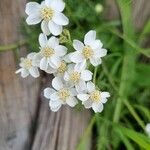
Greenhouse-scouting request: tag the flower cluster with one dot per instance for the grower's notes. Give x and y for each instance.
(72, 78)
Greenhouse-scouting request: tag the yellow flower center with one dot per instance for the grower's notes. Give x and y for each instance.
(63, 94)
(62, 68)
(87, 52)
(75, 76)
(95, 96)
(27, 63)
(47, 13)
(47, 52)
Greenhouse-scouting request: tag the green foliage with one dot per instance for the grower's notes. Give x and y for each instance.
(122, 73)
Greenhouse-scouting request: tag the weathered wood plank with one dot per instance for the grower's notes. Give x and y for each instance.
(18, 97)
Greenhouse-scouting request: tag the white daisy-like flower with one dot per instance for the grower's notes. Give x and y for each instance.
(50, 53)
(49, 13)
(77, 75)
(28, 67)
(60, 95)
(147, 129)
(93, 98)
(91, 50)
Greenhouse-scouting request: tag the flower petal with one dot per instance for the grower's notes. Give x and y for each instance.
(54, 104)
(95, 61)
(33, 19)
(43, 64)
(42, 40)
(73, 91)
(96, 44)
(80, 86)
(79, 67)
(48, 2)
(97, 107)
(90, 86)
(44, 27)
(78, 45)
(83, 97)
(60, 19)
(55, 109)
(90, 37)
(71, 101)
(86, 75)
(76, 57)
(54, 96)
(24, 73)
(54, 28)
(32, 7)
(100, 53)
(57, 5)
(48, 92)
(87, 104)
(60, 50)
(57, 83)
(34, 72)
(53, 42)
(31, 55)
(55, 60)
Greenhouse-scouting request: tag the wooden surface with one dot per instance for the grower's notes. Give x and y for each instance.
(25, 119)
(26, 123)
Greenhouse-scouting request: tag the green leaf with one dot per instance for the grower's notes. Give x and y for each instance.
(138, 138)
(142, 75)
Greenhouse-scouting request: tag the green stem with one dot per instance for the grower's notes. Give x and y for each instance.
(134, 114)
(87, 132)
(94, 75)
(13, 46)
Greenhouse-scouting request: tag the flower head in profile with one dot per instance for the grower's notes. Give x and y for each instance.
(147, 129)
(91, 50)
(50, 53)
(93, 98)
(28, 67)
(77, 75)
(60, 95)
(49, 13)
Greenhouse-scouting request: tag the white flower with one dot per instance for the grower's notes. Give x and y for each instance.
(28, 67)
(49, 13)
(147, 129)
(76, 75)
(93, 98)
(50, 53)
(91, 50)
(60, 95)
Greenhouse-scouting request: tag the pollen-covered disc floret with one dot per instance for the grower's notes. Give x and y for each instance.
(64, 94)
(62, 68)
(49, 13)
(95, 96)
(75, 76)
(47, 52)
(87, 52)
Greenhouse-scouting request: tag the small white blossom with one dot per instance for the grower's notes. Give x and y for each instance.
(77, 74)
(50, 53)
(147, 129)
(28, 67)
(91, 50)
(60, 95)
(93, 98)
(49, 13)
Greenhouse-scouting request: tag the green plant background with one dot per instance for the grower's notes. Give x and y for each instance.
(123, 73)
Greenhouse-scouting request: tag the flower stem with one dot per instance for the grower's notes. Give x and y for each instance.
(13, 46)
